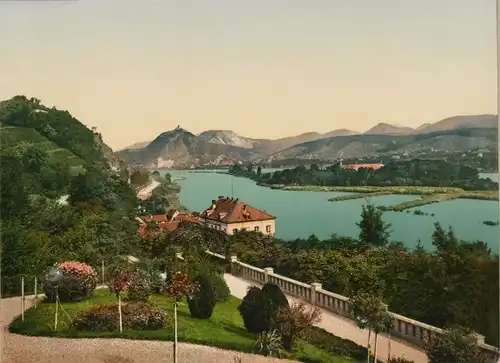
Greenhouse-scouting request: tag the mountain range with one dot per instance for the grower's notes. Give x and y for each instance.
(181, 148)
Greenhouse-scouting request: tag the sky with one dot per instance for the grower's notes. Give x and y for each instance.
(262, 68)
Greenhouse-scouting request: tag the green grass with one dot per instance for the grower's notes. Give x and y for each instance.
(223, 330)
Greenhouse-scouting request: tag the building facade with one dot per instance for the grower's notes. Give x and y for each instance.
(231, 215)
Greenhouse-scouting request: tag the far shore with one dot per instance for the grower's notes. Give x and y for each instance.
(428, 195)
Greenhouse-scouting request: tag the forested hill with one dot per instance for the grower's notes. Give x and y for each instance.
(48, 157)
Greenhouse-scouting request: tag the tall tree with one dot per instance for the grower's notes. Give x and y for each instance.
(374, 230)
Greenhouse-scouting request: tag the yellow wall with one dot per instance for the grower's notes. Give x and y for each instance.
(250, 226)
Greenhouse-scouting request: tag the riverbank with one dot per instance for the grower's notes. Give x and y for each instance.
(169, 191)
(429, 195)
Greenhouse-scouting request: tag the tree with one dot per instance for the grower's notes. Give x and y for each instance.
(120, 280)
(259, 171)
(374, 231)
(369, 311)
(454, 346)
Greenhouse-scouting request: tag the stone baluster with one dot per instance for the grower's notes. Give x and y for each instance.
(315, 287)
(267, 271)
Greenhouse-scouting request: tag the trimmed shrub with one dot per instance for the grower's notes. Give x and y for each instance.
(202, 303)
(105, 317)
(139, 288)
(254, 310)
(275, 296)
(78, 282)
(222, 292)
(335, 345)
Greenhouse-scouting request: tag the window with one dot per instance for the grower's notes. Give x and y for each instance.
(235, 230)
(268, 229)
(256, 229)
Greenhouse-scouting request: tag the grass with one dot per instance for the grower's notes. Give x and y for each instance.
(223, 330)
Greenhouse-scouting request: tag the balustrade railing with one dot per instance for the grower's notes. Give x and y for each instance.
(404, 328)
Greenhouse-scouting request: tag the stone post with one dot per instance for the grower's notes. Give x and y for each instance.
(234, 270)
(267, 272)
(315, 286)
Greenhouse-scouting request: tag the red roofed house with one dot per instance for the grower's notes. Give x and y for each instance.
(168, 221)
(232, 215)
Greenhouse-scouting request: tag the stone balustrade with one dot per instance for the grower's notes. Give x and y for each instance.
(404, 328)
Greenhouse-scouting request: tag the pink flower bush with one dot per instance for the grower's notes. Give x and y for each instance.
(79, 269)
(78, 282)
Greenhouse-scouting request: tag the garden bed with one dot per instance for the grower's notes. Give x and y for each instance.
(223, 330)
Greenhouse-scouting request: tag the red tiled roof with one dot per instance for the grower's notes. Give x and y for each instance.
(229, 210)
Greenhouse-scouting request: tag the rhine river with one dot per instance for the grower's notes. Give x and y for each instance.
(302, 213)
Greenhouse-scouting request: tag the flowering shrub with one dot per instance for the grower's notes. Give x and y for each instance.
(121, 278)
(78, 282)
(139, 288)
(135, 315)
(180, 285)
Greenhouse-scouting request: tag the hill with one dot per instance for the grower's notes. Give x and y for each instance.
(461, 122)
(376, 145)
(227, 137)
(185, 149)
(383, 128)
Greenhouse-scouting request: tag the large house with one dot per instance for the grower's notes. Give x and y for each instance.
(231, 215)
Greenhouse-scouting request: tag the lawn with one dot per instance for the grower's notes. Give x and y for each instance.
(223, 330)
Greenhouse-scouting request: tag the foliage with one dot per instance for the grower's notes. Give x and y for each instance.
(454, 346)
(416, 172)
(136, 316)
(180, 285)
(335, 345)
(121, 278)
(139, 288)
(400, 360)
(254, 310)
(222, 292)
(373, 230)
(202, 303)
(293, 321)
(275, 295)
(269, 343)
(78, 282)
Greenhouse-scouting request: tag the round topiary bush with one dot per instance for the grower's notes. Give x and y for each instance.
(78, 282)
(254, 310)
(139, 288)
(136, 315)
(202, 303)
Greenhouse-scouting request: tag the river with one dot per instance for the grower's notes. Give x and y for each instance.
(302, 213)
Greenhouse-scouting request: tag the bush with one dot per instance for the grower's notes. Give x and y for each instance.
(202, 303)
(275, 296)
(139, 288)
(105, 317)
(78, 282)
(454, 345)
(400, 360)
(335, 345)
(222, 292)
(254, 310)
(293, 321)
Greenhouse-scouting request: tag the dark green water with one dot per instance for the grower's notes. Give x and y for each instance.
(302, 213)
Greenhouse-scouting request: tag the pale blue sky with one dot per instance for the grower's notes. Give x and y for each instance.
(263, 68)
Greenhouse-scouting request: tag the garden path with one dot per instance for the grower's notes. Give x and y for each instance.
(343, 327)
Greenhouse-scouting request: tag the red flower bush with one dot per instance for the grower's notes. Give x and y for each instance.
(180, 285)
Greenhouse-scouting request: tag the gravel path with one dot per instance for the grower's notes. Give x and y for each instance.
(344, 328)
(23, 349)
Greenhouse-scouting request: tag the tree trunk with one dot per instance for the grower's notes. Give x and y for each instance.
(368, 346)
(375, 348)
(175, 332)
(120, 313)
(389, 346)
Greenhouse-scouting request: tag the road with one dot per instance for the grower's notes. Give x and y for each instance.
(145, 192)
